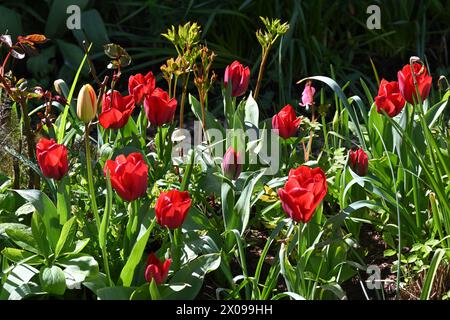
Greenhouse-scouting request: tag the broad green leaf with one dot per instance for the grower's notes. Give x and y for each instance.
(40, 235)
(434, 113)
(47, 210)
(78, 267)
(80, 245)
(52, 280)
(81, 263)
(242, 207)
(96, 282)
(187, 282)
(19, 276)
(21, 256)
(23, 238)
(127, 274)
(63, 200)
(67, 236)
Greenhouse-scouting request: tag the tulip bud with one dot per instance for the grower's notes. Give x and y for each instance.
(231, 165)
(57, 84)
(359, 162)
(87, 104)
(156, 269)
(239, 76)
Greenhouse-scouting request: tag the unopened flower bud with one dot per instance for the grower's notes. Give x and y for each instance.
(231, 165)
(87, 104)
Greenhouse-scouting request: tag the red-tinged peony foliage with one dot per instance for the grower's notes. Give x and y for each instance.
(52, 158)
(172, 207)
(303, 192)
(116, 110)
(359, 162)
(156, 269)
(159, 108)
(140, 86)
(231, 165)
(389, 98)
(286, 122)
(129, 175)
(407, 86)
(239, 77)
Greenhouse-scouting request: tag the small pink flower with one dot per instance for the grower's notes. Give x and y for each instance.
(308, 95)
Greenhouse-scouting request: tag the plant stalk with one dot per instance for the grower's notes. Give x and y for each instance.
(265, 55)
(90, 177)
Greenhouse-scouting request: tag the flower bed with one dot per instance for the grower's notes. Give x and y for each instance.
(127, 200)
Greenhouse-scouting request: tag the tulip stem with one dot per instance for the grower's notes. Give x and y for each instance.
(90, 177)
(325, 134)
(311, 133)
(300, 270)
(176, 240)
(160, 144)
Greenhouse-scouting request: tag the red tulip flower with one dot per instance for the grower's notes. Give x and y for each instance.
(172, 207)
(406, 82)
(239, 77)
(308, 95)
(160, 109)
(52, 158)
(286, 122)
(389, 98)
(116, 110)
(359, 162)
(231, 165)
(129, 175)
(156, 269)
(303, 192)
(140, 86)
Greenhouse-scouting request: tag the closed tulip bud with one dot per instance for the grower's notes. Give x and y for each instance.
(57, 84)
(239, 76)
(156, 269)
(87, 104)
(231, 165)
(359, 162)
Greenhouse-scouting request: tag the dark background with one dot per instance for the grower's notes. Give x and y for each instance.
(322, 33)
